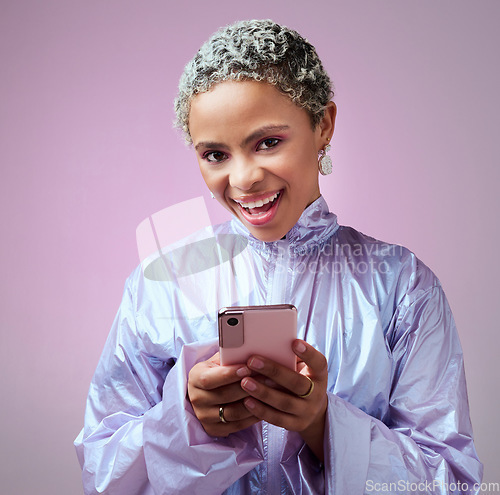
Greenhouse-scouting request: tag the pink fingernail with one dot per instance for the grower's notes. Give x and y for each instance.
(243, 372)
(249, 385)
(300, 347)
(250, 403)
(256, 363)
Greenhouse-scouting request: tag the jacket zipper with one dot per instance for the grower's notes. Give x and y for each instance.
(274, 435)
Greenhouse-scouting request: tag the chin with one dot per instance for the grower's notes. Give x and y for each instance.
(266, 236)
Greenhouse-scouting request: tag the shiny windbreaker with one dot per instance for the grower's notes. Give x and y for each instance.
(397, 418)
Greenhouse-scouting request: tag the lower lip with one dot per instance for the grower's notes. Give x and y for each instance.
(261, 218)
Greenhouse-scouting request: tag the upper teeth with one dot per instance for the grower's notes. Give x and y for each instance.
(260, 202)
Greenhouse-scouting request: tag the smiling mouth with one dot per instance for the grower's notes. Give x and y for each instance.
(262, 211)
(261, 205)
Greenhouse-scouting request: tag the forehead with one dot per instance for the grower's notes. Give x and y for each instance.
(241, 106)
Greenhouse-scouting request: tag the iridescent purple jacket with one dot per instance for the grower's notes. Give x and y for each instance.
(397, 418)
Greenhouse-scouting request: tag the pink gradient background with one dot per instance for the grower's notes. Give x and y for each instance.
(87, 152)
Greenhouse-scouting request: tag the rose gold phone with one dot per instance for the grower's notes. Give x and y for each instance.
(265, 330)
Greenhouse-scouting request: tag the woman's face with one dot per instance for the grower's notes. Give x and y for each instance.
(258, 153)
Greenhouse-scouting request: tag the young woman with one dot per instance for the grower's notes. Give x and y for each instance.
(378, 402)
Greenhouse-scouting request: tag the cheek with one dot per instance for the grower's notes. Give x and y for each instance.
(304, 156)
(302, 170)
(205, 173)
(214, 181)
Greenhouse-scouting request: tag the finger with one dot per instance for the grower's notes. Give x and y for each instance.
(209, 376)
(317, 366)
(215, 359)
(292, 381)
(279, 400)
(203, 401)
(291, 422)
(233, 412)
(227, 394)
(224, 429)
(283, 409)
(271, 415)
(266, 381)
(236, 417)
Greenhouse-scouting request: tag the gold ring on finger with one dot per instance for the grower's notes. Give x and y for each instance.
(221, 415)
(311, 388)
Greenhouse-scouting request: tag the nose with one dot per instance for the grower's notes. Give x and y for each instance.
(244, 174)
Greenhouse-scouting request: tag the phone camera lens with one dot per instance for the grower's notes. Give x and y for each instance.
(232, 322)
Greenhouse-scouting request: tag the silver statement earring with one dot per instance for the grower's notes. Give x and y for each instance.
(325, 162)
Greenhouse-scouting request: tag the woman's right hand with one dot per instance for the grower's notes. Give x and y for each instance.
(212, 386)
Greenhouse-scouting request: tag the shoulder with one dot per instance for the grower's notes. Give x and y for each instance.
(407, 291)
(391, 271)
(354, 245)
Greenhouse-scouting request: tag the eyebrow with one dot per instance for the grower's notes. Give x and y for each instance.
(263, 131)
(255, 135)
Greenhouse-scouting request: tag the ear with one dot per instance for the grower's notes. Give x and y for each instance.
(327, 124)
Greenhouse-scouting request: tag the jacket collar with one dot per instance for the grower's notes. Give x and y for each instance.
(314, 227)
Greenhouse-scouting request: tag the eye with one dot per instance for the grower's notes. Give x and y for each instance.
(214, 156)
(268, 143)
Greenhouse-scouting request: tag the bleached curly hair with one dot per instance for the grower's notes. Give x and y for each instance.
(259, 50)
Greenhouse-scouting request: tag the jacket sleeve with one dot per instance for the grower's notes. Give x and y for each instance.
(141, 435)
(425, 444)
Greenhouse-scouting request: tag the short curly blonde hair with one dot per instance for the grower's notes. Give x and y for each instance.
(259, 50)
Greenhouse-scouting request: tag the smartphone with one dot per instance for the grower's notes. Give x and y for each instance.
(268, 331)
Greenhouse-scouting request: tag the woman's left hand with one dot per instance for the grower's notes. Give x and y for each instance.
(299, 402)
